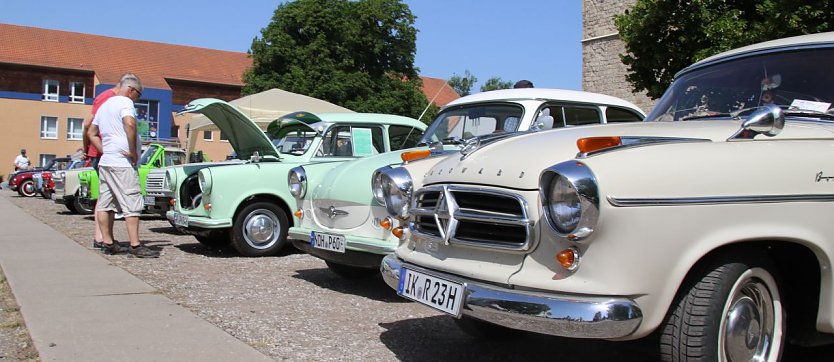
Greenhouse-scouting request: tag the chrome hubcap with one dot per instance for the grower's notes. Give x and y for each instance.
(752, 320)
(261, 229)
(29, 188)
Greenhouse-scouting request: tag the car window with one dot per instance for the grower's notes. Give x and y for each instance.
(400, 137)
(148, 155)
(174, 158)
(474, 120)
(618, 115)
(340, 141)
(295, 142)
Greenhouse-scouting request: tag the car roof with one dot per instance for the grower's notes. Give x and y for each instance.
(565, 95)
(794, 42)
(370, 117)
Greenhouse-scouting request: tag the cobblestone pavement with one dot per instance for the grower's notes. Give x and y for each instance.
(291, 307)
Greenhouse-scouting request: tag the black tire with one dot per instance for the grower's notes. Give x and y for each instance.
(70, 206)
(729, 310)
(351, 272)
(46, 195)
(484, 330)
(27, 189)
(80, 207)
(216, 239)
(260, 229)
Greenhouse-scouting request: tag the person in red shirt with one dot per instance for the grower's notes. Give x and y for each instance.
(91, 154)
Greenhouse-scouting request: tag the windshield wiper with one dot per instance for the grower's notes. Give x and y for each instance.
(808, 113)
(452, 140)
(733, 114)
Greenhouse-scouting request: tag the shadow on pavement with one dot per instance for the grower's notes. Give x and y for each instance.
(371, 287)
(439, 338)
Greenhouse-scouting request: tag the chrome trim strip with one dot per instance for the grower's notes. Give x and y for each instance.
(632, 142)
(716, 200)
(576, 316)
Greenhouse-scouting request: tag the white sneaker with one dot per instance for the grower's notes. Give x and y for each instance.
(119, 216)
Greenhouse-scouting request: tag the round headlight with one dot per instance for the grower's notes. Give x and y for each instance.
(297, 182)
(204, 176)
(565, 209)
(571, 199)
(376, 185)
(171, 179)
(394, 187)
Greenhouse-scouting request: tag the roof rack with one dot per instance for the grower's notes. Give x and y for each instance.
(167, 142)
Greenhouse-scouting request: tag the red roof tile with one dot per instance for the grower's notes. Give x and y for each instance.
(439, 90)
(110, 57)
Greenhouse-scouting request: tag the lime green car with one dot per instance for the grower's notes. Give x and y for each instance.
(154, 155)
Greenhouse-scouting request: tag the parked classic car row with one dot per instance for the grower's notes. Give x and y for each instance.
(552, 211)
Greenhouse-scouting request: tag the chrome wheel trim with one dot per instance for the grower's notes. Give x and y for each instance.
(261, 229)
(28, 188)
(752, 322)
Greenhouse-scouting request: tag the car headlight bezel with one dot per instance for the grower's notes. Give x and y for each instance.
(204, 178)
(393, 188)
(570, 199)
(297, 182)
(171, 180)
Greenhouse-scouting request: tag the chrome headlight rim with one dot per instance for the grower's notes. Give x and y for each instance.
(297, 182)
(577, 181)
(398, 180)
(376, 185)
(205, 181)
(171, 180)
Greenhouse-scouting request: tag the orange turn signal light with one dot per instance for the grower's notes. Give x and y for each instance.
(298, 213)
(172, 201)
(568, 258)
(398, 231)
(385, 223)
(207, 206)
(415, 155)
(591, 144)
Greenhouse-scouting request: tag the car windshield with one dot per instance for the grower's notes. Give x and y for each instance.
(294, 143)
(460, 123)
(797, 80)
(147, 155)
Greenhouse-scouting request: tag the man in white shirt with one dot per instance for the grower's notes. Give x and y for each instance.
(21, 162)
(114, 133)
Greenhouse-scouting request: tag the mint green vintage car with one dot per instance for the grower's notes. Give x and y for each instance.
(247, 204)
(338, 218)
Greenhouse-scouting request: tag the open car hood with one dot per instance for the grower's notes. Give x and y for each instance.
(244, 135)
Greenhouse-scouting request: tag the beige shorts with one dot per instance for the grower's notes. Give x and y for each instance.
(119, 191)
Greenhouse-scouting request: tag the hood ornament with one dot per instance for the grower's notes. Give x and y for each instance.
(332, 212)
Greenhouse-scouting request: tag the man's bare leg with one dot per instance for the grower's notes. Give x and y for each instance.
(132, 223)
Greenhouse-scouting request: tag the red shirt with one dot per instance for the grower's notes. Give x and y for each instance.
(100, 99)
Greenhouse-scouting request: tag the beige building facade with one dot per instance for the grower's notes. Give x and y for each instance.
(602, 70)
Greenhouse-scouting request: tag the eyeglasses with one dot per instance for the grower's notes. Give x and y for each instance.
(137, 91)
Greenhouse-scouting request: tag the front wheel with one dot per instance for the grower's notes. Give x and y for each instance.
(260, 229)
(730, 311)
(27, 189)
(80, 207)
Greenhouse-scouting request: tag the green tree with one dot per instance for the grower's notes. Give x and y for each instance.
(663, 37)
(357, 54)
(495, 83)
(463, 84)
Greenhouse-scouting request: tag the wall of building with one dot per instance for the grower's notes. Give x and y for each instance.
(602, 70)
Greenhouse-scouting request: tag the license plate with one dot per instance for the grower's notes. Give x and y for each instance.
(149, 200)
(181, 220)
(438, 293)
(328, 241)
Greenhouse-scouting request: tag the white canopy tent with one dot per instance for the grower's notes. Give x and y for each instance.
(263, 108)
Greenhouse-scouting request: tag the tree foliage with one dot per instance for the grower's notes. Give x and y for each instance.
(496, 83)
(663, 37)
(357, 54)
(463, 84)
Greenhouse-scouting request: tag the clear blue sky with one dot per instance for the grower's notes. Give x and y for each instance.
(519, 39)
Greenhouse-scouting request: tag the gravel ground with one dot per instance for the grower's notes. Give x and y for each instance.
(15, 343)
(291, 307)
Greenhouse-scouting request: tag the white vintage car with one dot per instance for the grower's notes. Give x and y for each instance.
(708, 226)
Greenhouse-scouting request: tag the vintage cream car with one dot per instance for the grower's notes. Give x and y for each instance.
(708, 226)
(338, 219)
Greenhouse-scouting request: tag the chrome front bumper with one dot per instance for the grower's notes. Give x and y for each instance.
(562, 315)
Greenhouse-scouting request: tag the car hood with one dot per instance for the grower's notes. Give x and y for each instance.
(244, 135)
(517, 161)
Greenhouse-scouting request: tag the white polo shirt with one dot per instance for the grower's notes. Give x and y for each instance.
(112, 131)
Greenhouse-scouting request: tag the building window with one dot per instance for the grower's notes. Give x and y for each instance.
(45, 158)
(49, 127)
(207, 136)
(76, 92)
(50, 90)
(74, 127)
(223, 137)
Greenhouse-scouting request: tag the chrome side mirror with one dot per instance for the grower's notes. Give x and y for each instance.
(768, 120)
(256, 157)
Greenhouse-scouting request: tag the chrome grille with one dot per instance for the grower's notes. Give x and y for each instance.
(472, 216)
(155, 185)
